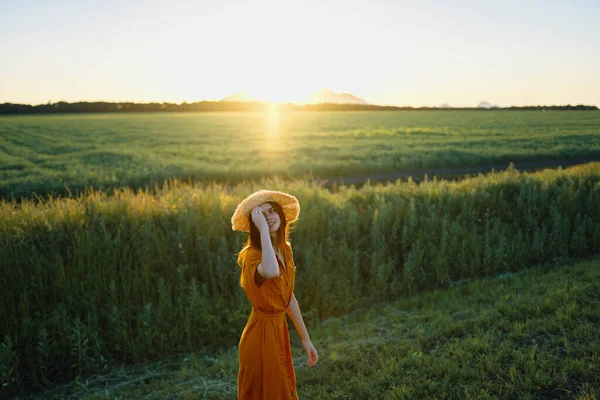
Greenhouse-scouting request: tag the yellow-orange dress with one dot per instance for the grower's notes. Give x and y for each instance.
(266, 371)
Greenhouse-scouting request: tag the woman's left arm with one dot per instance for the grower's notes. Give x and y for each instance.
(294, 312)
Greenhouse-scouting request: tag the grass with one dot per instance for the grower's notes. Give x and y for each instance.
(526, 335)
(49, 153)
(95, 281)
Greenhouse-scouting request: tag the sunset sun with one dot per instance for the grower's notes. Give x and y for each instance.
(280, 88)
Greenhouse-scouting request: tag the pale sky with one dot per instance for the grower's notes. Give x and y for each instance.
(419, 53)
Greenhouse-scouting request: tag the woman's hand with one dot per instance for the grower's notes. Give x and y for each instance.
(258, 217)
(311, 353)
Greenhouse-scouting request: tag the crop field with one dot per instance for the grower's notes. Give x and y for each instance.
(442, 289)
(96, 281)
(46, 154)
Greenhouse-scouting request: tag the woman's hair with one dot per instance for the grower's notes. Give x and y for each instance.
(253, 240)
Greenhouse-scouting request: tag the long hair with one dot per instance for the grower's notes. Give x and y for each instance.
(253, 240)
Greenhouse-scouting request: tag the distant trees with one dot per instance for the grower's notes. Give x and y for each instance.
(579, 107)
(95, 107)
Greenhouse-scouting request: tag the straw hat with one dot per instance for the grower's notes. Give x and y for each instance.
(240, 220)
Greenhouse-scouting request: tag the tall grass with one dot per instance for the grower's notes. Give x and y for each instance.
(97, 280)
(525, 335)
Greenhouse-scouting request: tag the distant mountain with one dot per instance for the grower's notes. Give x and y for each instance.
(444, 105)
(327, 96)
(239, 97)
(318, 97)
(485, 104)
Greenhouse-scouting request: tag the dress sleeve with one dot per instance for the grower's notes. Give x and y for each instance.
(253, 258)
(291, 257)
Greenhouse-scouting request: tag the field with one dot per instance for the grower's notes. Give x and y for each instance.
(526, 335)
(45, 154)
(448, 289)
(95, 281)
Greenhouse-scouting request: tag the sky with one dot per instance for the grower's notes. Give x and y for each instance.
(404, 53)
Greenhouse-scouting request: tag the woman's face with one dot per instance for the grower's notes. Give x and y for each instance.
(271, 216)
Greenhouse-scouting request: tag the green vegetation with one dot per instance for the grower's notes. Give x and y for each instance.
(93, 281)
(526, 335)
(46, 154)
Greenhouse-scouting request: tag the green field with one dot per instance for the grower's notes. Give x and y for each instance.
(93, 282)
(45, 154)
(108, 278)
(528, 335)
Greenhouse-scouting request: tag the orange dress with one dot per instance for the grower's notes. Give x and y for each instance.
(266, 371)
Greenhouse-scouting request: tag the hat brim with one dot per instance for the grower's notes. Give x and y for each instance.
(240, 220)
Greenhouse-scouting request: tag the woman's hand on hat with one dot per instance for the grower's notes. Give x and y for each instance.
(258, 217)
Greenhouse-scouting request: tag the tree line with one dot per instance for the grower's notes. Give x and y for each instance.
(62, 107)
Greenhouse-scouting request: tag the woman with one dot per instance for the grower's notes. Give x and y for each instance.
(268, 271)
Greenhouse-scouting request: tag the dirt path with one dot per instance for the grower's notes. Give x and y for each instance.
(452, 173)
(417, 175)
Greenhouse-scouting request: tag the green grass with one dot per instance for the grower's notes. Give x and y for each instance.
(45, 154)
(95, 281)
(527, 335)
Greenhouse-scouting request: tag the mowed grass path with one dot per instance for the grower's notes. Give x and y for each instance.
(47, 153)
(531, 335)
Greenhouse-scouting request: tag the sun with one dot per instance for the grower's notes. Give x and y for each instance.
(276, 91)
(274, 95)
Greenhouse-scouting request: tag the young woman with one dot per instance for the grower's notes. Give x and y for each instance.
(268, 273)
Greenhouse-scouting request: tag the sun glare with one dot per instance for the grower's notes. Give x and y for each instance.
(274, 91)
(272, 121)
(274, 97)
(272, 128)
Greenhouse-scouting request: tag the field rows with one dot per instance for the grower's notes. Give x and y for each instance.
(45, 154)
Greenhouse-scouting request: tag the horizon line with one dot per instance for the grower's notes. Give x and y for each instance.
(444, 105)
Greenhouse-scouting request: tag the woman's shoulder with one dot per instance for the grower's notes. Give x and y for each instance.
(253, 254)
(247, 254)
(253, 250)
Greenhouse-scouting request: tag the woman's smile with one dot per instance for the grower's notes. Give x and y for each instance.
(273, 225)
